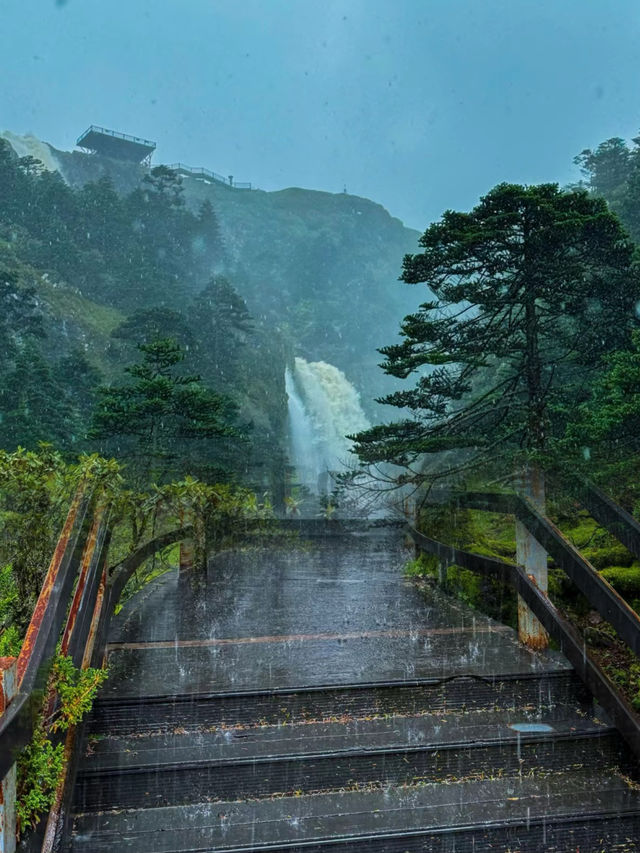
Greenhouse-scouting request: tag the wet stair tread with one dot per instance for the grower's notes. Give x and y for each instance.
(358, 814)
(334, 738)
(285, 663)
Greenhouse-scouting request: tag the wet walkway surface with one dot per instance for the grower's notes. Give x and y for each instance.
(312, 699)
(338, 611)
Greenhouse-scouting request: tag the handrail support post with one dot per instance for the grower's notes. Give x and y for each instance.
(443, 572)
(187, 553)
(533, 558)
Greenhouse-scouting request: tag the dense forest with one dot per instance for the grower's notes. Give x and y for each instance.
(93, 282)
(122, 286)
(520, 370)
(139, 325)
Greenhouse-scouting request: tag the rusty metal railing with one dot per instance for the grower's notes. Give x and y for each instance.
(77, 599)
(68, 611)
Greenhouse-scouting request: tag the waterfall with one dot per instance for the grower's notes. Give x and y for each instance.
(29, 146)
(323, 408)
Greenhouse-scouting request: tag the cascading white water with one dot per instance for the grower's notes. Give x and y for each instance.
(29, 146)
(324, 408)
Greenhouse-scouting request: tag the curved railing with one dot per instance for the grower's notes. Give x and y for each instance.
(73, 609)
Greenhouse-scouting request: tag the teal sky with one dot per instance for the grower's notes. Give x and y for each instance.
(420, 105)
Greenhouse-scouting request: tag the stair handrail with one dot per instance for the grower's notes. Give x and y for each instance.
(569, 640)
(598, 592)
(43, 634)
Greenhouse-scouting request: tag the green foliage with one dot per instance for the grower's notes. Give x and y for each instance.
(76, 689)
(147, 325)
(628, 679)
(601, 548)
(625, 580)
(613, 172)
(518, 291)
(219, 512)
(222, 324)
(486, 533)
(40, 769)
(10, 634)
(128, 250)
(161, 563)
(424, 565)
(20, 315)
(607, 168)
(609, 422)
(10, 641)
(163, 421)
(35, 490)
(33, 404)
(41, 763)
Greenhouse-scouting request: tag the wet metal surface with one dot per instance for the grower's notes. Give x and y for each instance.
(337, 612)
(531, 728)
(242, 743)
(223, 826)
(295, 698)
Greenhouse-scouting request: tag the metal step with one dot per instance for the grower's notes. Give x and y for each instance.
(559, 812)
(283, 760)
(148, 714)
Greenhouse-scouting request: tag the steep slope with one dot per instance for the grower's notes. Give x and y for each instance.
(321, 267)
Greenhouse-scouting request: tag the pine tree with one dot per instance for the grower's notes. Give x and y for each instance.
(221, 323)
(155, 420)
(529, 290)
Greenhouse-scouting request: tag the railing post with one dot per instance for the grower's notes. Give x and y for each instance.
(533, 558)
(443, 571)
(8, 688)
(187, 550)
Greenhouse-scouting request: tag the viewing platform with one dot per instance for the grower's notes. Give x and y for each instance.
(119, 146)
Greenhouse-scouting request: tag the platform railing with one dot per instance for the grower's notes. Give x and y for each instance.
(200, 171)
(116, 134)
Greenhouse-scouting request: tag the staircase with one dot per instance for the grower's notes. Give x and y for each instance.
(409, 723)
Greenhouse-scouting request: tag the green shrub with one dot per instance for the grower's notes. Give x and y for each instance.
(10, 642)
(41, 762)
(424, 565)
(602, 558)
(624, 579)
(467, 585)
